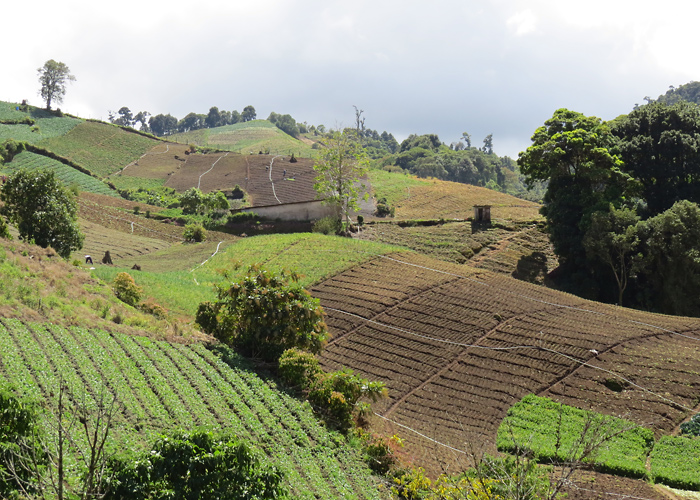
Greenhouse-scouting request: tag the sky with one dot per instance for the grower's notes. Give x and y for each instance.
(497, 67)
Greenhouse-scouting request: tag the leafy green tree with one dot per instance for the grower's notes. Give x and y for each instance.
(191, 201)
(670, 270)
(689, 92)
(216, 200)
(163, 124)
(142, 118)
(660, 146)
(285, 123)
(248, 114)
(191, 121)
(264, 314)
(488, 144)
(43, 210)
(340, 166)
(196, 465)
(125, 118)
(53, 77)
(574, 154)
(213, 118)
(613, 239)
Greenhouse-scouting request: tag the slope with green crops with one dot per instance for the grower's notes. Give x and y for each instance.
(33, 125)
(212, 388)
(246, 138)
(100, 147)
(68, 175)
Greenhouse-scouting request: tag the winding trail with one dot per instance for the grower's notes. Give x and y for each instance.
(199, 182)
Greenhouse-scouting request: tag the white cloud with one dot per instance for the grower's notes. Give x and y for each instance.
(523, 23)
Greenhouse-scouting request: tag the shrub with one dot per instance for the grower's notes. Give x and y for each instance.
(152, 307)
(384, 209)
(197, 464)
(126, 289)
(692, 427)
(338, 394)
(328, 225)
(360, 220)
(195, 232)
(264, 314)
(299, 368)
(241, 217)
(4, 229)
(237, 193)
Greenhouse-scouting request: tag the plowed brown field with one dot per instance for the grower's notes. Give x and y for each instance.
(458, 346)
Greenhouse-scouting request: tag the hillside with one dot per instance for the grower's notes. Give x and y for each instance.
(256, 136)
(457, 347)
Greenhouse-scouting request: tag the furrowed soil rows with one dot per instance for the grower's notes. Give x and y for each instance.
(458, 347)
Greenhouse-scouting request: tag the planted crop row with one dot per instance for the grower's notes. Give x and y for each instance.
(69, 176)
(553, 431)
(675, 461)
(163, 387)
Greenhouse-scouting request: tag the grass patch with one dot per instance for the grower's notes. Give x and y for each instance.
(129, 182)
(183, 289)
(551, 431)
(394, 187)
(101, 148)
(675, 462)
(66, 174)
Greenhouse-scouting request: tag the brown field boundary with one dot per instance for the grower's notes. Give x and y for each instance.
(457, 347)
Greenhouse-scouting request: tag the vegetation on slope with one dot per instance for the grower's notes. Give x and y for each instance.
(184, 288)
(101, 148)
(246, 138)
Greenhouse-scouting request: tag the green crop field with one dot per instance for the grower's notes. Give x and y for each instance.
(184, 289)
(394, 187)
(101, 148)
(205, 388)
(46, 126)
(247, 137)
(551, 430)
(675, 461)
(68, 175)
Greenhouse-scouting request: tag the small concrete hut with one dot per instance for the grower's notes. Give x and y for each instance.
(482, 213)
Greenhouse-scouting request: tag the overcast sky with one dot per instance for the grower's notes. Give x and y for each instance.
(446, 67)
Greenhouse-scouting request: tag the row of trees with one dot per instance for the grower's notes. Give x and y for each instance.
(427, 156)
(621, 203)
(167, 124)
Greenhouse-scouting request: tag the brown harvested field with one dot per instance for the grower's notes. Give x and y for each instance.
(158, 163)
(263, 177)
(121, 245)
(458, 346)
(452, 200)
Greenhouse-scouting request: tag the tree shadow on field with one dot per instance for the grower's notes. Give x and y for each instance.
(531, 268)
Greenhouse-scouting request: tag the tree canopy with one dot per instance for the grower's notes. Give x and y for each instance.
(340, 165)
(43, 210)
(264, 314)
(53, 77)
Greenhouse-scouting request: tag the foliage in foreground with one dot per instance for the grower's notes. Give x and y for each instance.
(43, 210)
(193, 465)
(263, 314)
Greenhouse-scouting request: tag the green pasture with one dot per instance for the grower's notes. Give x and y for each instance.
(100, 147)
(180, 282)
(68, 175)
(552, 432)
(206, 388)
(130, 182)
(395, 187)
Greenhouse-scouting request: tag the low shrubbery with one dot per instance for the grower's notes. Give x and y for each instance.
(126, 289)
(328, 225)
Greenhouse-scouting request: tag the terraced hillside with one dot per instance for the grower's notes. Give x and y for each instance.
(458, 346)
(211, 388)
(247, 138)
